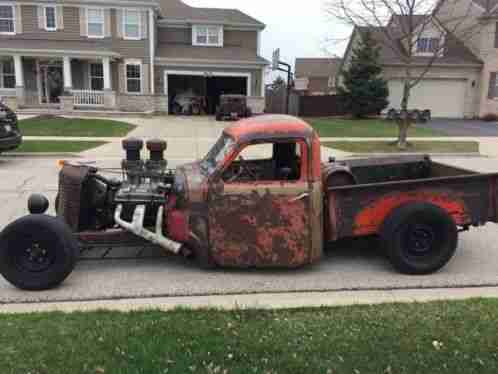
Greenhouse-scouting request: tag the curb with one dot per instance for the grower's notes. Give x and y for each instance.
(40, 155)
(273, 301)
(469, 154)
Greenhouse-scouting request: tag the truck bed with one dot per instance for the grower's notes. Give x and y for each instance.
(384, 184)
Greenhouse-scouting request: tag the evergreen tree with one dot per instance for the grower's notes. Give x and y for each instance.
(363, 90)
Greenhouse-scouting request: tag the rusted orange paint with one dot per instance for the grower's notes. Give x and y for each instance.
(316, 161)
(268, 127)
(370, 219)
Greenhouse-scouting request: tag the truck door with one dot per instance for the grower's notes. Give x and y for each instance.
(260, 207)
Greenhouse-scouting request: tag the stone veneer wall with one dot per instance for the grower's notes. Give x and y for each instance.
(142, 103)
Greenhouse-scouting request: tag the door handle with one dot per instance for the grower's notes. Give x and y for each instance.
(300, 197)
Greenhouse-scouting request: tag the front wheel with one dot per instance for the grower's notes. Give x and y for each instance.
(37, 252)
(419, 238)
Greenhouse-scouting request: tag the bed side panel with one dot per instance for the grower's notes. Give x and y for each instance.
(361, 210)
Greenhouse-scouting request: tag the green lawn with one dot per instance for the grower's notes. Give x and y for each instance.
(441, 337)
(418, 147)
(55, 146)
(374, 128)
(59, 126)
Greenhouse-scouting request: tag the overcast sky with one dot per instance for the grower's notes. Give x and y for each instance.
(298, 28)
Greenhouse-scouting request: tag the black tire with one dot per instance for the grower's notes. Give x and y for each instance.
(175, 109)
(419, 238)
(37, 252)
(56, 204)
(218, 115)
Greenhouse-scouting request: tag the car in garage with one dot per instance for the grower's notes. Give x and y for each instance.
(10, 135)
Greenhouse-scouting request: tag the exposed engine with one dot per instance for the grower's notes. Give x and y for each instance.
(142, 197)
(89, 201)
(145, 182)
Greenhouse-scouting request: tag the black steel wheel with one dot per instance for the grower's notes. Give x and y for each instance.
(419, 238)
(37, 252)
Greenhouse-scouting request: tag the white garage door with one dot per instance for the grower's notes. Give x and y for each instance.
(445, 98)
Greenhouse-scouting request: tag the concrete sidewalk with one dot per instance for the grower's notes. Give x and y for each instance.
(291, 300)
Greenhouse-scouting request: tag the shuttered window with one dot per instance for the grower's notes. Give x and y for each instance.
(95, 19)
(50, 18)
(7, 19)
(133, 78)
(131, 24)
(211, 36)
(492, 85)
(97, 77)
(7, 74)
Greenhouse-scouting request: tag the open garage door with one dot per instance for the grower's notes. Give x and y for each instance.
(208, 86)
(444, 97)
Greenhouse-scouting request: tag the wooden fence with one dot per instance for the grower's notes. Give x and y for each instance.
(304, 106)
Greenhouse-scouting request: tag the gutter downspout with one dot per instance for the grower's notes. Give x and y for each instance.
(152, 46)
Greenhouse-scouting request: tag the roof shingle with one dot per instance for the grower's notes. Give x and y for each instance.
(177, 10)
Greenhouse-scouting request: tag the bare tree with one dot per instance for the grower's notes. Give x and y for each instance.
(400, 26)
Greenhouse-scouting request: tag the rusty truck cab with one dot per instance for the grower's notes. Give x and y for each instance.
(265, 196)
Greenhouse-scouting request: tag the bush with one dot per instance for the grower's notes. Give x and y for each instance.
(490, 117)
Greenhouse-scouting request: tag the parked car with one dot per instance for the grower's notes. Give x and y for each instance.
(231, 211)
(188, 103)
(10, 135)
(232, 107)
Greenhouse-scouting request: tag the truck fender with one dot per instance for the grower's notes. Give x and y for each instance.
(341, 177)
(199, 242)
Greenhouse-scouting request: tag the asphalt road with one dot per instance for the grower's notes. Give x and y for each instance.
(462, 127)
(347, 266)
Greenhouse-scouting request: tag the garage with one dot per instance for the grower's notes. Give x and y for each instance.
(205, 86)
(444, 97)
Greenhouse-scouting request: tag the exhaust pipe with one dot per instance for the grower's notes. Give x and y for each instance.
(137, 228)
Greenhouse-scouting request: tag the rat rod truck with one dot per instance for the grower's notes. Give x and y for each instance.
(261, 197)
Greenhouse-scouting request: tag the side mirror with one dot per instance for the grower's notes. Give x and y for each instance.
(285, 173)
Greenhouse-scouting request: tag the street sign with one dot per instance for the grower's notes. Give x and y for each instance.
(275, 59)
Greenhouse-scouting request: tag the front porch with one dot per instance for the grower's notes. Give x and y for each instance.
(62, 83)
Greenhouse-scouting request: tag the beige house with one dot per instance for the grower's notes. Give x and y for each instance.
(131, 55)
(461, 82)
(316, 76)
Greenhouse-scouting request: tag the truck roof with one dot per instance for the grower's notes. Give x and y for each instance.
(269, 127)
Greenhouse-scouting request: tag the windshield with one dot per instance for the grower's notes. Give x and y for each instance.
(218, 153)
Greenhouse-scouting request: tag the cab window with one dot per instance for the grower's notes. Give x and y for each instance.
(279, 161)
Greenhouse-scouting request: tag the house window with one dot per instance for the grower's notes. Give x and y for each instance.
(96, 77)
(133, 78)
(331, 82)
(428, 45)
(95, 22)
(131, 24)
(208, 36)
(7, 74)
(7, 19)
(50, 18)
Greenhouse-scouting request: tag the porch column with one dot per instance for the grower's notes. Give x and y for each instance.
(18, 69)
(68, 74)
(106, 64)
(109, 94)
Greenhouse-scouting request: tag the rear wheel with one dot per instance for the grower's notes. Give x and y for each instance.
(419, 238)
(37, 252)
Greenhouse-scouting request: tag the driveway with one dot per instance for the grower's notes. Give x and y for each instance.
(347, 266)
(463, 127)
(189, 138)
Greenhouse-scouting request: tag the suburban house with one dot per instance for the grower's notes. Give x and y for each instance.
(128, 55)
(452, 87)
(316, 76)
(463, 79)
